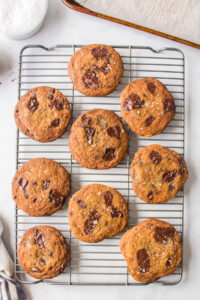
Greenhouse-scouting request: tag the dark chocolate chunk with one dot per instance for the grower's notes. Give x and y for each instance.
(151, 87)
(55, 123)
(143, 261)
(114, 132)
(149, 121)
(46, 184)
(100, 52)
(86, 120)
(90, 79)
(91, 222)
(33, 103)
(169, 105)
(110, 154)
(90, 131)
(115, 213)
(170, 175)
(155, 157)
(39, 238)
(56, 198)
(163, 234)
(150, 195)
(108, 197)
(81, 203)
(133, 102)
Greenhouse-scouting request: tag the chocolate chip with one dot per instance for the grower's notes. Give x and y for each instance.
(155, 157)
(33, 104)
(89, 131)
(163, 234)
(35, 183)
(150, 195)
(169, 262)
(91, 222)
(100, 52)
(115, 213)
(149, 121)
(143, 261)
(171, 187)
(23, 183)
(114, 132)
(169, 105)
(151, 87)
(42, 261)
(90, 79)
(86, 120)
(82, 203)
(104, 68)
(170, 175)
(39, 238)
(133, 102)
(58, 104)
(108, 197)
(55, 123)
(34, 200)
(50, 94)
(110, 154)
(46, 184)
(56, 198)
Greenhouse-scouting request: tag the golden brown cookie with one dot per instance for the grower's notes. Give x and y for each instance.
(43, 252)
(158, 173)
(95, 70)
(97, 212)
(147, 106)
(43, 114)
(40, 187)
(98, 139)
(151, 249)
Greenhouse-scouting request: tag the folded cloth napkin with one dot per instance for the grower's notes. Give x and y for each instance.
(10, 289)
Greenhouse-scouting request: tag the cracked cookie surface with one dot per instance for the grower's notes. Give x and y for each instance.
(40, 187)
(147, 106)
(152, 249)
(95, 70)
(157, 173)
(97, 212)
(98, 139)
(43, 252)
(43, 114)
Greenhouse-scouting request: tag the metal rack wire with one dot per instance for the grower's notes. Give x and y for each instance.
(101, 263)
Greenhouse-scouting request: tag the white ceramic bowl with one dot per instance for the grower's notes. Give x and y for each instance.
(19, 19)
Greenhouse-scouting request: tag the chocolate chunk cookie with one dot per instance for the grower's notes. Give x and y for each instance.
(98, 139)
(158, 173)
(147, 106)
(40, 187)
(43, 114)
(43, 252)
(151, 249)
(95, 70)
(97, 212)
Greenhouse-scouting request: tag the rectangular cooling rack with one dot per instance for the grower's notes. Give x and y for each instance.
(101, 263)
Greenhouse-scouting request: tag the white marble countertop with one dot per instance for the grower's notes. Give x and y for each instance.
(64, 26)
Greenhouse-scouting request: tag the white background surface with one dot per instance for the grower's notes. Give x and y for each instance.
(64, 26)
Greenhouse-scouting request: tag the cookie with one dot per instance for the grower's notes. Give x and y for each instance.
(147, 106)
(158, 173)
(95, 70)
(43, 252)
(151, 249)
(97, 212)
(98, 139)
(43, 114)
(40, 187)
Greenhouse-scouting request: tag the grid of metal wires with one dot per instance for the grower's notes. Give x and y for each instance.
(101, 263)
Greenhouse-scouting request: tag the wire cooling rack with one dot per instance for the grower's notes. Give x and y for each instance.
(101, 263)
